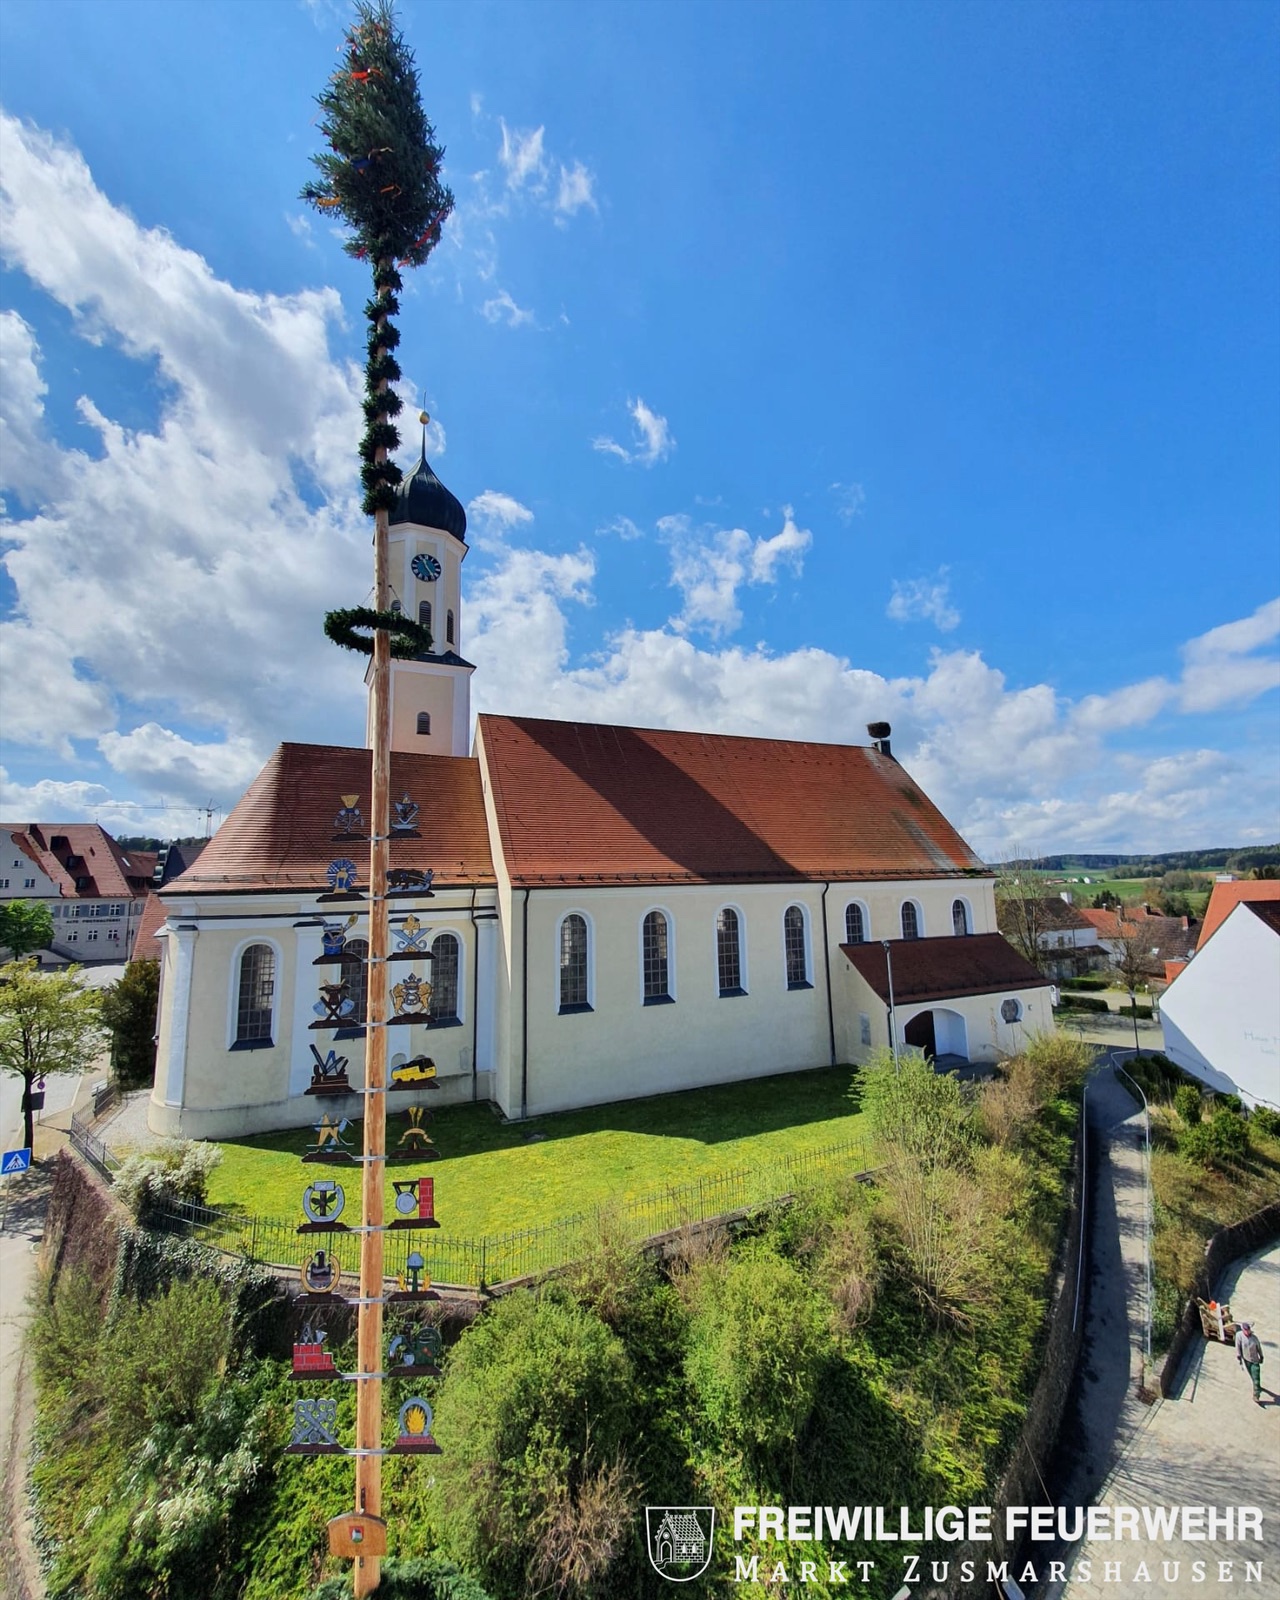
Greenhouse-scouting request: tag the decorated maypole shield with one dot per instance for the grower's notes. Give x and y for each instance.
(380, 177)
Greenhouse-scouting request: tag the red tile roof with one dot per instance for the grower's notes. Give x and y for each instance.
(281, 835)
(146, 947)
(596, 804)
(1227, 896)
(945, 968)
(73, 851)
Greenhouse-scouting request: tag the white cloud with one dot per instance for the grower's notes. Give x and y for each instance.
(653, 441)
(28, 463)
(158, 759)
(176, 568)
(924, 600)
(1007, 764)
(1220, 667)
(577, 190)
(709, 566)
(299, 226)
(850, 499)
(623, 527)
(502, 308)
(493, 514)
(522, 157)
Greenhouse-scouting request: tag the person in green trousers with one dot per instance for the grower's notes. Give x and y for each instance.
(1249, 1355)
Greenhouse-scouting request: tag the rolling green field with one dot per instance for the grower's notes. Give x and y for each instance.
(495, 1176)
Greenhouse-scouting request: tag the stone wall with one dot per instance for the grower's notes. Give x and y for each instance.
(1226, 1246)
(83, 1223)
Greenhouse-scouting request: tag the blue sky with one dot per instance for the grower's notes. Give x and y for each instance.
(799, 365)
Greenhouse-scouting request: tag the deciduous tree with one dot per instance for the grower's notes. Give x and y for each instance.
(25, 925)
(49, 1022)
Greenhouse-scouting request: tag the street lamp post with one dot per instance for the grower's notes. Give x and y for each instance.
(893, 1024)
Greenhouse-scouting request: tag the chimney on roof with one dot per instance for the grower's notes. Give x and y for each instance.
(880, 732)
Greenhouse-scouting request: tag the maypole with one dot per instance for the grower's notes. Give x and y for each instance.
(380, 177)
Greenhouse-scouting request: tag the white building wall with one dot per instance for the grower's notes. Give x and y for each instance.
(1221, 1014)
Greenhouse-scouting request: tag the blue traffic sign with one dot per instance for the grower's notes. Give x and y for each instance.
(14, 1161)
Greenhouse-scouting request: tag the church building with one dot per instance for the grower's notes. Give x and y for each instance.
(582, 913)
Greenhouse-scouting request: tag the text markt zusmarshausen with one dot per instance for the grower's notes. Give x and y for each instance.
(802, 1524)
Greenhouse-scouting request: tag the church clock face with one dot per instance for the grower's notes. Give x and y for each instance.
(427, 568)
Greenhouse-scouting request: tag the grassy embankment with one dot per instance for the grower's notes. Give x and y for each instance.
(493, 1177)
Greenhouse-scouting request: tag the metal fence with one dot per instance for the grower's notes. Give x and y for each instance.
(91, 1147)
(495, 1259)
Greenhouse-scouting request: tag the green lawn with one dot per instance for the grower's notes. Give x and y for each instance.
(495, 1176)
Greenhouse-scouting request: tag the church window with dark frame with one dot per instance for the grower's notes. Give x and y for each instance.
(910, 920)
(793, 946)
(254, 998)
(654, 941)
(449, 628)
(424, 613)
(444, 978)
(424, 722)
(573, 964)
(353, 970)
(855, 924)
(960, 918)
(729, 952)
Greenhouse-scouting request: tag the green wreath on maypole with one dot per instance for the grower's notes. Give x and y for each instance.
(381, 177)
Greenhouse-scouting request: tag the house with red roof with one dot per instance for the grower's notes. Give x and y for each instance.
(95, 890)
(582, 912)
(1221, 1013)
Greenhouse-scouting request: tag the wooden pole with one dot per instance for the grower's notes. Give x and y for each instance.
(369, 1335)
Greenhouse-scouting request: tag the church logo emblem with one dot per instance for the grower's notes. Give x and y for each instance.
(679, 1539)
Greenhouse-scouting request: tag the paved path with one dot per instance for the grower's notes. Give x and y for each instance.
(1206, 1444)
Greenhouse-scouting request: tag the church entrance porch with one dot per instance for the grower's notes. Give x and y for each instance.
(941, 1034)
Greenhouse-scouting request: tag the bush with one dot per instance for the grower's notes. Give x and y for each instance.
(129, 1009)
(533, 1491)
(1082, 1002)
(167, 1178)
(429, 1579)
(1265, 1121)
(1188, 1103)
(1086, 982)
(1220, 1142)
(761, 1339)
(1142, 1012)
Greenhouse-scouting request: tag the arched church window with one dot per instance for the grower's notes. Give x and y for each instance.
(448, 627)
(444, 978)
(424, 613)
(424, 722)
(573, 964)
(257, 989)
(793, 947)
(855, 925)
(910, 920)
(657, 983)
(959, 918)
(353, 969)
(396, 607)
(729, 952)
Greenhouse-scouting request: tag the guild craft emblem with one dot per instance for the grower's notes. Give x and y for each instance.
(415, 1137)
(314, 1429)
(415, 1353)
(414, 1203)
(408, 880)
(679, 1540)
(419, 1073)
(323, 1201)
(411, 938)
(415, 1429)
(404, 815)
(330, 1144)
(333, 935)
(310, 1358)
(349, 820)
(320, 1275)
(411, 996)
(413, 1283)
(335, 1007)
(329, 1075)
(341, 875)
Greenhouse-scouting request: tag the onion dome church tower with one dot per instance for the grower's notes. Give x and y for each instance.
(430, 692)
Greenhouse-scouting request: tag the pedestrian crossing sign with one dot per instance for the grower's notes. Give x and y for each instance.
(14, 1161)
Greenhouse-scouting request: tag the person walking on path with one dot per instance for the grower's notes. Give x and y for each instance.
(1249, 1355)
